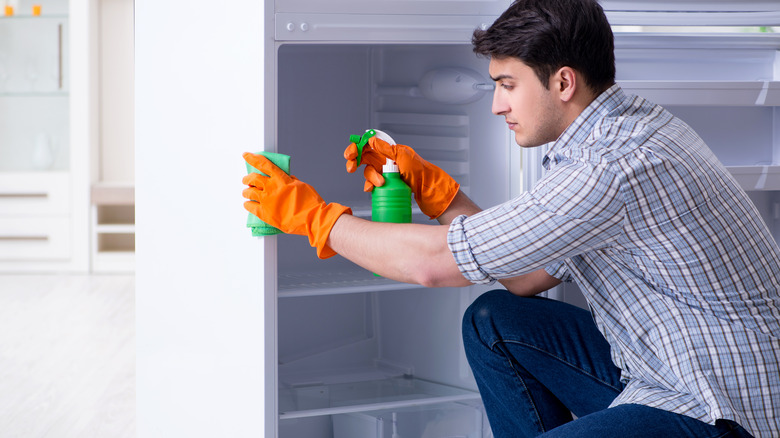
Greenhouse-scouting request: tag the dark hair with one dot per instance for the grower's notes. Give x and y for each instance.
(549, 34)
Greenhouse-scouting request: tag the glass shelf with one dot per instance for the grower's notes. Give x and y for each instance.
(315, 283)
(757, 177)
(383, 393)
(725, 93)
(362, 208)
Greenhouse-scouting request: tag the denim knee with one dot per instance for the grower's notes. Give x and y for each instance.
(499, 314)
(484, 316)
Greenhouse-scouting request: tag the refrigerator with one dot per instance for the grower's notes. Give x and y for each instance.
(258, 337)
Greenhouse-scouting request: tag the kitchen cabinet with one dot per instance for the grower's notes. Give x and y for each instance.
(46, 132)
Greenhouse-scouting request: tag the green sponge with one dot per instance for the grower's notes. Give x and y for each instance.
(260, 228)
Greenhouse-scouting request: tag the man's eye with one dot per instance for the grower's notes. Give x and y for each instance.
(507, 87)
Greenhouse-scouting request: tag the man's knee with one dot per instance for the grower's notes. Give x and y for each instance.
(482, 307)
(490, 312)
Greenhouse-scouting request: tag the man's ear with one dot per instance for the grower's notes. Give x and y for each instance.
(565, 83)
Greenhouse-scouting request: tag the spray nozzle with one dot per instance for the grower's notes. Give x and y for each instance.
(360, 141)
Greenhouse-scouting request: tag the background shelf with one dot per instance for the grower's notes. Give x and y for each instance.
(113, 227)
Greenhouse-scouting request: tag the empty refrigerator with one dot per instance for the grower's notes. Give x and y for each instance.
(720, 84)
(348, 341)
(343, 348)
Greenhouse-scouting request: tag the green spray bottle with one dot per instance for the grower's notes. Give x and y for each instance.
(391, 202)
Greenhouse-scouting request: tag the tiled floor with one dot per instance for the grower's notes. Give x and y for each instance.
(67, 356)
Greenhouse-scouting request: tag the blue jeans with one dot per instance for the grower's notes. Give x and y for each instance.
(536, 361)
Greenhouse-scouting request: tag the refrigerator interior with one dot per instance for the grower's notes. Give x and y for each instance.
(349, 342)
(726, 87)
(354, 349)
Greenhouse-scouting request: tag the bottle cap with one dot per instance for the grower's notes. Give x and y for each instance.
(390, 167)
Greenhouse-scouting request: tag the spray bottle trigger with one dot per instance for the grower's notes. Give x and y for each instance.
(361, 141)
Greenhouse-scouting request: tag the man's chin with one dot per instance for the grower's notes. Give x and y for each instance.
(525, 144)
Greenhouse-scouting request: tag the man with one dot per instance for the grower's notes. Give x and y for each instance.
(680, 272)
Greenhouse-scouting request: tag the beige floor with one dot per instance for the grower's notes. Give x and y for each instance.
(67, 356)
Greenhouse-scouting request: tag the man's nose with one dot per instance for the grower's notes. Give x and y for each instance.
(499, 104)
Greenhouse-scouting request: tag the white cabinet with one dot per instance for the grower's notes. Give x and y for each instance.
(46, 83)
(113, 227)
(112, 202)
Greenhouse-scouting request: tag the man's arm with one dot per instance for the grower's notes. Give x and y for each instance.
(419, 254)
(411, 253)
(523, 285)
(461, 204)
(531, 283)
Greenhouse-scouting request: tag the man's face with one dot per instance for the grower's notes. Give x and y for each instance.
(530, 110)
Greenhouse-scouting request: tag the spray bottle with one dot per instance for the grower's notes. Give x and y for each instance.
(392, 202)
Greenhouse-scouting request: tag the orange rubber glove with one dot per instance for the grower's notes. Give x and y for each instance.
(433, 189)
(287, 203)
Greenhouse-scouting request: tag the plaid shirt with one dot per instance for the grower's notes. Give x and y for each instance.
(679, 270)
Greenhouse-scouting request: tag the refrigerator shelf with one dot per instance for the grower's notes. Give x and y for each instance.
(310, 283)
(758, 177)
(718, 93)
(363, 209)
(384, 393)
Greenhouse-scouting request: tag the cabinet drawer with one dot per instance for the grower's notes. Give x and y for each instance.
(34, 193)
(34, 238)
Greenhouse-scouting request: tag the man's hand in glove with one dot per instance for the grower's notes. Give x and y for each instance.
(285, 202)
(433, 189)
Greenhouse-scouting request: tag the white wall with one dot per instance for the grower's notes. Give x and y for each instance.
(199, 302)
(116, 151)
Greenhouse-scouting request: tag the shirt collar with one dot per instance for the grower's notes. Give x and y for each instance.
(581, 127)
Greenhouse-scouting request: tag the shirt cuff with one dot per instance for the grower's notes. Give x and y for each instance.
(457, 240)
(559, 271)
